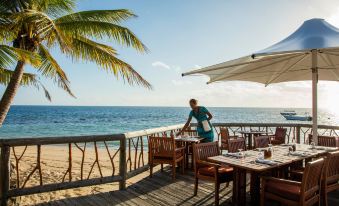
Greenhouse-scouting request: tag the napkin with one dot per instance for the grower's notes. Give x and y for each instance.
(267, 162)
(235, 154)
(300, 154)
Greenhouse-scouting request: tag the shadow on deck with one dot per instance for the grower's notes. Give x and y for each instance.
(160, 190)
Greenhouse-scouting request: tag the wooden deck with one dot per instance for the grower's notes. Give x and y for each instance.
(160, 190)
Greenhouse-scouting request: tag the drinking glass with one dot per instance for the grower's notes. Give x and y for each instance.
(290, 149)
(312, 145)
(261, 154)
(240, 152)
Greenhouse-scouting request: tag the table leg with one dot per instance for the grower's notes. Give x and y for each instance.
(255, 188)
(249, 141)
(239, 187)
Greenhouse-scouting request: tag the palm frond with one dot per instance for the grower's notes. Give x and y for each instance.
(51, 69)
(54, 8)
(101, 24)
(105, 56)
(9, 55)
(28, 79)
(112, 16)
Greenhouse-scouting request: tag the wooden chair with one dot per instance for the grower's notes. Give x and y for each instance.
(261, 141)
(327, 141)
(224, 137)
(163, 150)
(235, 144)
(293, 193)
(210, 171)
(330, 180)
(189, 150)
(279, 136)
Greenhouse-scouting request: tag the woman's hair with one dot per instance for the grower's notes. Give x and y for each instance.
(194, 101)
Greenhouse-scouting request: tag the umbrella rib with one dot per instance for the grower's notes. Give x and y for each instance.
(240, 64)
(255, 68)
(331, 63)
(290, 67)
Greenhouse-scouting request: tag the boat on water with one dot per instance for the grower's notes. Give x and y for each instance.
(288, 112)
(292, 115)
(305, 117)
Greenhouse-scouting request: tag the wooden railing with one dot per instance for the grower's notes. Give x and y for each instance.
(126, 153)
(126, 156)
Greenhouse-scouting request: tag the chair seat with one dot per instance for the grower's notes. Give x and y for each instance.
(167, 156)
(284, 190)
(275, 142)
(225, 172)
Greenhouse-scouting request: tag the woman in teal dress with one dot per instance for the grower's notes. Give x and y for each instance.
(203, 117)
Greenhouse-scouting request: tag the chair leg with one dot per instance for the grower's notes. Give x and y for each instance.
(262, 198)
(217, 188)
(183, 166)
(173, 170)
(324, 199)
(151, 169)
(196, 182)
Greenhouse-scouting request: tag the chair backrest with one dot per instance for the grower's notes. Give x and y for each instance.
(261, 141)
(235, 144)
(224, 134)
(310, 185)
(331, 168)
(327, 141)
(280, 134)
(204, 150)
(161, 146)
(191, 132)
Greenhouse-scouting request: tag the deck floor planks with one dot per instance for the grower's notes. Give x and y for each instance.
(161, 190)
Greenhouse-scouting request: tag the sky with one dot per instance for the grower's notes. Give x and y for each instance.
(185, 35)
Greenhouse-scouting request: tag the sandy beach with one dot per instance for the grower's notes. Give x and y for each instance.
(54, 164)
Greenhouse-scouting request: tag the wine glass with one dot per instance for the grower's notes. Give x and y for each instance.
(312, 145)
(240, 153)
(261, 155)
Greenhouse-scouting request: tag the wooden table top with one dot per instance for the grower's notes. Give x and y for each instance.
(254, 132)
(192, 139)
(280, 155)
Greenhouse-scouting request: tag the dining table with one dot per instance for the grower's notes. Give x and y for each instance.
(249, 163)
(187, 142)
(249, 134)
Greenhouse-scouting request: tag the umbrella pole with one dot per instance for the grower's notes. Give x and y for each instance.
(315, 96)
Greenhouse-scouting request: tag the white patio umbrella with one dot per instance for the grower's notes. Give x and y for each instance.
(310, 53)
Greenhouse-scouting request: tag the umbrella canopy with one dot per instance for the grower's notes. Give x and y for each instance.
(310, 53)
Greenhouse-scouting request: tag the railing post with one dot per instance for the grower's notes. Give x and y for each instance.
(122, 164)
(4, 174)
(298, 134)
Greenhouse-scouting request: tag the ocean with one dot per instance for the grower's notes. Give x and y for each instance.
(46, 121)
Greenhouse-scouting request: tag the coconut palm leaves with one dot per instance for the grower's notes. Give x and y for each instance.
(47, 24)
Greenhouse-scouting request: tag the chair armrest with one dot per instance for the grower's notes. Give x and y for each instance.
(179, 148)
(290, 182)
(206, 163)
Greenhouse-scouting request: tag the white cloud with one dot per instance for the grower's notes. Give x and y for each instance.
(160, 64)
(181, 82)
(334, 18)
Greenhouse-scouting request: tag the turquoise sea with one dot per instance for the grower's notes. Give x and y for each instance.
(43, 121)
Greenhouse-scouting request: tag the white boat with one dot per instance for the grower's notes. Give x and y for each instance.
(288, 112)
(305, 117)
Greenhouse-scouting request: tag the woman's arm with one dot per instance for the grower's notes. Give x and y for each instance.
(185, 126)
(210, 116)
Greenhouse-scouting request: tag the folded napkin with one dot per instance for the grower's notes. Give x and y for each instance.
(286, 145)
(300, 154)
(267, 162)
(235, 154)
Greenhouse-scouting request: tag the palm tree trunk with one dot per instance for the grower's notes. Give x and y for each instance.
(11, 90)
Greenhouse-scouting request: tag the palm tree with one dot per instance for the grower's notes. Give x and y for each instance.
(29, 29)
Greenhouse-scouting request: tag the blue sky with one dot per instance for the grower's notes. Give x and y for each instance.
(183, 35)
